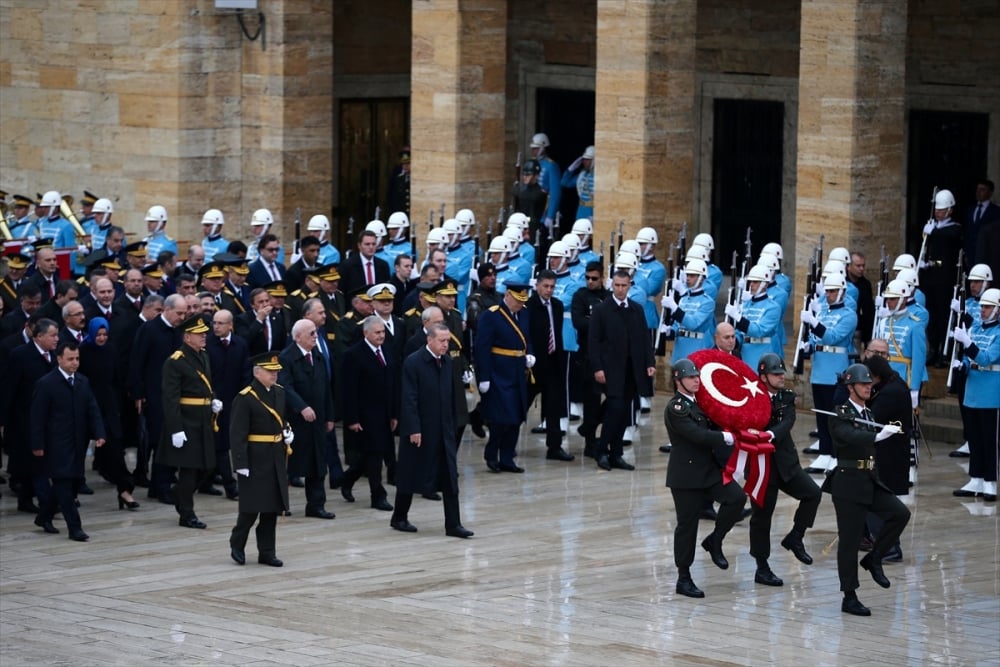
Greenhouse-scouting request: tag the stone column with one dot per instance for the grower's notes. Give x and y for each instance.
(850, 172)
(457, 106)
(644, 135)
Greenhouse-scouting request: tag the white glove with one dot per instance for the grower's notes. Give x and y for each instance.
(32, 238)
(415, 273)
(467, 377)
(887, 431)
(879, 301)
(289, 435)
(820, 290)
(962, 336)
(914, 398)
(930, 227)
(664, 329)
(678, 285)
(296, 256)
(178, 439)
(216, 406)
(956, 306)
(548, 225)
(473, 274)
(529, 360)
(808, 317)
(484, 387)
(882, 313)
(805, 346)
(668, 302)
(957, 364)
(733, 311)
(815, 305)
(728, 437)
(83, 250)
(607, 283)
(742, 284)
(576, 164)
(533, 282)
(745, 296)
(243, 471)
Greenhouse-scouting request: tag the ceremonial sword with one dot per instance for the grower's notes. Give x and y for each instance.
(866, 422)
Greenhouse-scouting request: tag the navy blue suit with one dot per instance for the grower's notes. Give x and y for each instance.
(259, 275)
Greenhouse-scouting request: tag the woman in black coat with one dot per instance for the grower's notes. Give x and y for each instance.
(99, 364)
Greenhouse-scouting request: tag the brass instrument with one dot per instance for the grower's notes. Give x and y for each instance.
(67, 212)
(5, 220)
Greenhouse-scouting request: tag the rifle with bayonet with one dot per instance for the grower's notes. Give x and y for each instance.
(800, 357)
(350, 237)
(883, 280)
(921, 259)
(298, 231)
(955, 320)
(664, 332)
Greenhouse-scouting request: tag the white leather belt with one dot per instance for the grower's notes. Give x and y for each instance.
(992, 368)
(832, 349)
(766, 339)
(697, 335)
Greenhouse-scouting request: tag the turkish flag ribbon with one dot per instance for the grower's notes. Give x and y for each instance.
(733, 398)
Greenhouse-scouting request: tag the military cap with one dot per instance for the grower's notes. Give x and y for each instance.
(268, 361)
(486, 269)
(137, 249)
(446, 288)
(212, 270)
(519, 291)
(152, 270)
(194, 325)
(101, 258)
(426, 288)
(276, 288)
(21, 200)
(88, 198)
(360, 293)
(404, 157)
(18, 261)
(41, 243)
(382, 292)
(329, 272)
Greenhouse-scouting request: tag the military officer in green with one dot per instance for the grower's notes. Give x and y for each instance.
(857, 490)
(260, 440)
(189, 409)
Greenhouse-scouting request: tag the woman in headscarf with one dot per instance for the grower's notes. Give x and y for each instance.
(99, 364)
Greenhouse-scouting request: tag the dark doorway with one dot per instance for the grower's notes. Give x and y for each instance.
(747, 166)
(372, 133)
(947, 150)
(567, 117)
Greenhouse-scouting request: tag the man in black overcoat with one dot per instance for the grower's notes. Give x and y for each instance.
(229, 359)
(427, 447)
(545, 315)
(64, 418)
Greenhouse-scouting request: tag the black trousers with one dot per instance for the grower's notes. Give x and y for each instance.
(332, 454)
(801, 487)
(63, 496)
(315, 493)
(851, 515)
(110, 461)
(371, 466)
(551, 387)
(618, 415)
(982, 427)
(188, 480)
(689, 503)
(452, 516)
(502, 444)
(823, 400)
(265, 532)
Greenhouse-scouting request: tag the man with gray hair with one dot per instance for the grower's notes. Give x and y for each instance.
(315, 311)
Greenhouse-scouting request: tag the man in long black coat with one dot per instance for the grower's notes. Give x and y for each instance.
(621, 359)
(64, 418)
(427, 447)
(309, 409)
(545, 314)
(259, 440)
(229, 359)
(371, 407)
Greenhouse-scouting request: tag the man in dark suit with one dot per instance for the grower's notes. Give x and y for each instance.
(74, 323)
(546, 315)
(187, 440)
(857, 490)
(66, 291)
(314, 311)
(104, 298)
(266, 325)
(266, 268)
(363, 268)
(427, 447)
(371, 409)
(64, 418)
(27, 364)
(29, 299)
(129, 304)
(984, 213)
(309, 409)
(309, 248)
(229, 359)
(621, 359)
(259, 440)
(46, 272)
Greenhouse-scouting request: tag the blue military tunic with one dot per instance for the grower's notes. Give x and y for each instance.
(213, 245)
(527, 252)
(59, 230)
(23, 228)
(583, 182)
(907, 340)
(566, 286)
(758, 329)
(832, 342)
(651, 276)
(550, 180)
(982, 361)
(587, 256)
(460, 262)
(521, 267)
(329, 254)
(501, 346)
(694, 324)
(99, 236)
(157, 243)
(713, 281)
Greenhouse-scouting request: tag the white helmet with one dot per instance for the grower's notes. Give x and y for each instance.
(840, 255)
(398, 220)
(437, 238)
(898, 289)
(759, 274)
(378, 227)
(647, 235)
(102, 205)
(835, 282)
(558, 249)
(698, 252)
(500, 245)
(156, 214)
(519, 220)
(697, 266)
(453, 228)
(513, 234)
(770, 262)
(51, 198)
(467, 218)
(704, 239)
(540, 140)
(572, 242)
(834, 267)
(627, 260)
(583, 227)
(261, 217)
(904, 261)
(318, 223)
(631, 246)
(588, 153)
(978, 272)
(910, 276)
(773, 249)
(944, 199)
(213, 216)
(990, 297)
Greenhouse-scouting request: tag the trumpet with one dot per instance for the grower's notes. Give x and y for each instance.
(67, 211)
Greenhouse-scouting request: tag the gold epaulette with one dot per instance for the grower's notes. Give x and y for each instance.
(349, 316)
(493, 309)
(297, 292)
(81, 280)
(412, 311)
(245, 390)
(914, 317)
(177, 355)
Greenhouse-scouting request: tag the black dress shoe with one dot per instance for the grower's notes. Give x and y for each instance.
(603, 463)
(964, 493)
(955, 454)
(874, 566)
(714, 549)
(476, 422)
(493, 466)
(854, 606)
(403, 526)
(813, 434)
(238, 555)
(346, 492)
(320, 514)
(297, 482)
(744, 513)
(191, 522)
(893, 555)
(709, 514)
(431, 495)
(382, 504)
(621, 464)
(46, 526)
(685, 586)
(458, 531)
(559, 455)
(233, 494)
(79, 536)
(210, 491)
(269, 560)
(766, 577)
(84, 490)
(665, 449)
(27, 507)
(511, 467)
(990, 497)
(794, 544)
(538, 430)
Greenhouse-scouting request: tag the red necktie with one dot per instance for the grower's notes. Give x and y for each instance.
(48, 359)
(309, 358)
(378, 353)
(79, 337)
(225, 342)
(138, 303)
(371, 273)
(52, 288)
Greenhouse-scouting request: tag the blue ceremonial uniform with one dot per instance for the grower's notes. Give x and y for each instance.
(919, 297)
(713, 281)
(157, 243)
(694, 324)
(778, 293)
(550, 181)
(587, 256)
(213, 245)
(520, 267)
(527, 252)
(583, 181)
(389, 252)
(566, 287)
(758, 329)
(907, 340)
(504, 276)
(99, 236)
(785, 283)
(59, 230)
(651, 275)
(460, 260)
(982, 360)
(831, 341)
(23, 228)
(329, 254)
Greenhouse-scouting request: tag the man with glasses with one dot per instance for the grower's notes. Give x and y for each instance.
(583, 304)
(266, 268)
(75, 320)
(228, 356)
